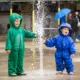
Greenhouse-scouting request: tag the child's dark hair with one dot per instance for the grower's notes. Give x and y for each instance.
(64, 27)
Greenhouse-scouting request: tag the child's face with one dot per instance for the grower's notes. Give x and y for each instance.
(65, 31)
(16, 22)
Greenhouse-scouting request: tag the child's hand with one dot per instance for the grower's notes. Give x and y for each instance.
(35, 36)
(72, 55)
(43, 40)
(8, 51)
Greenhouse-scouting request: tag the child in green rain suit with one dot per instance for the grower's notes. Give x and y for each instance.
(15, 45)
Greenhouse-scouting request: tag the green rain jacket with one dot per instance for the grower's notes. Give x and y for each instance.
(15, 36)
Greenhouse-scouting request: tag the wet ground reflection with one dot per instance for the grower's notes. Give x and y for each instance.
(32, 67)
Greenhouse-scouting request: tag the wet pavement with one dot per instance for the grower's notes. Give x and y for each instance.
(32, 64)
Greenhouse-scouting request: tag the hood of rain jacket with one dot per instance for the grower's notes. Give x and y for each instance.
(12, 18)
(65, 25)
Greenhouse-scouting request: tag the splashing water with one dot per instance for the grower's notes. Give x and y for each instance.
(39, 29)
(39, 19)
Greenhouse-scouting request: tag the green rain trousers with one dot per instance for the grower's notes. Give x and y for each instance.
(15, 62)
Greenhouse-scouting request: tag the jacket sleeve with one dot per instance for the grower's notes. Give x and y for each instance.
(8, 41)
(72, 48)
(29, 34)
(50, 42)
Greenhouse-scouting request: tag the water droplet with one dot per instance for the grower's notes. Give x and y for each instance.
(32, 64)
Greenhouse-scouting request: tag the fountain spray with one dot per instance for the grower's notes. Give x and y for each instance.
(40, 15)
